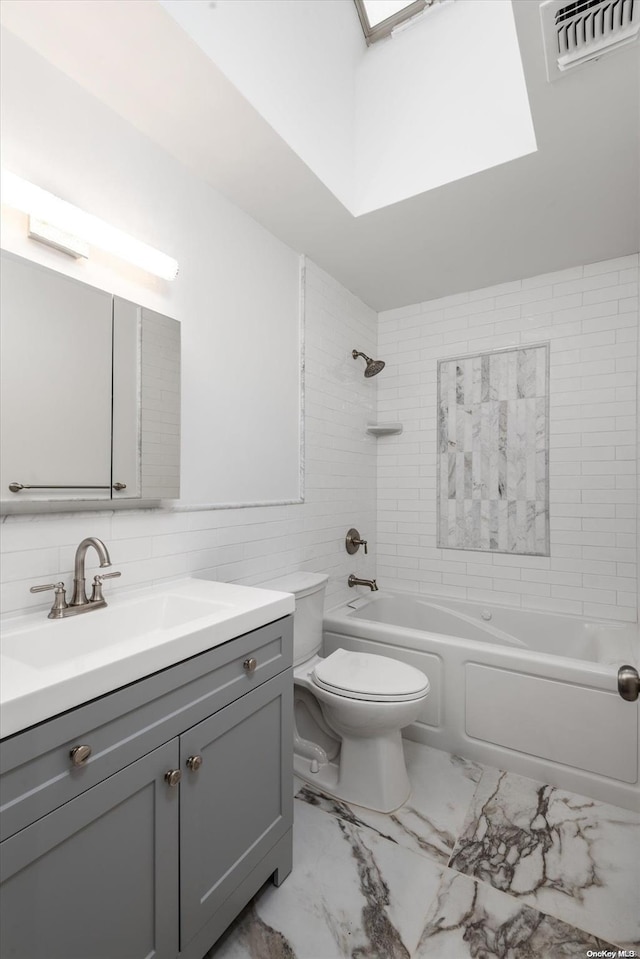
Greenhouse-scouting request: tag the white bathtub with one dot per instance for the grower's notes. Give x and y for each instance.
(534, 693)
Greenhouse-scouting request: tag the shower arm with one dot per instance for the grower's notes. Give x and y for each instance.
(373, 367)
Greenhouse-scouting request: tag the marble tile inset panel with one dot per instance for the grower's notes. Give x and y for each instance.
(566, 855)
(493, 451)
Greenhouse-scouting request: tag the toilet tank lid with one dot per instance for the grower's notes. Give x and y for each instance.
(299, 583)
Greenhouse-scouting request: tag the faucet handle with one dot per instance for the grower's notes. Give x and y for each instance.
(353, 542)
(59, 600)
(41, 589)
(96, 591)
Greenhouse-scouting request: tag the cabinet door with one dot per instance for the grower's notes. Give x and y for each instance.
(126, 398)
(146, 403)
(56, 384)
(160, 408)
(97, 878)
(239, 803)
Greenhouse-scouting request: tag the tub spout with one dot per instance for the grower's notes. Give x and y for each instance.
(355, 581)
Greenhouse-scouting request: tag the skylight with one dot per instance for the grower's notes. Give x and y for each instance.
(379, 17)
(468, 52)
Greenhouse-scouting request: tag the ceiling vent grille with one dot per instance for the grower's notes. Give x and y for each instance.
(585, 30)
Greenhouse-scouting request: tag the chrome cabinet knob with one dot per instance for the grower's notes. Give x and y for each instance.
(80, 754)
(250, 664)
(172, 777)
(629, 683)
(194, 763)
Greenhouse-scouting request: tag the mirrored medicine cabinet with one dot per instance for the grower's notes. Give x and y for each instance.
(90, 395)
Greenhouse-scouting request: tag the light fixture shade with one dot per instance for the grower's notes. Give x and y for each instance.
(50, 209)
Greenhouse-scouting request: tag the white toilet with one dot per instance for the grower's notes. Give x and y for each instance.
(349, 708)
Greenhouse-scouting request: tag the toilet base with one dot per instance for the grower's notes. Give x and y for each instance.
(325, 779)
(369, 772)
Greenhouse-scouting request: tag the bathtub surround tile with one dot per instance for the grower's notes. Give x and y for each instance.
(493, 448)
(567, 855)
(431, 820)
(580, 371)
(351, 893)
(470, 919)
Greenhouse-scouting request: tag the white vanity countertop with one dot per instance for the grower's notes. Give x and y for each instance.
(48, 666)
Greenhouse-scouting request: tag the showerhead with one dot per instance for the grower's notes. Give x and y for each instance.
(373, 366)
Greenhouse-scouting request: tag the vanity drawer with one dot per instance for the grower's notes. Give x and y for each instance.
(37, 771)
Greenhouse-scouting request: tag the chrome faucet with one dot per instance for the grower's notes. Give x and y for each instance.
(79, 601)
(79, 597)
(371, 583)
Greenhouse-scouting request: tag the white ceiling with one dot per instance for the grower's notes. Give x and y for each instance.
(576, 200)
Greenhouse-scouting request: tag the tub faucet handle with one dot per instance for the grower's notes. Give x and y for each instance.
(353, 542)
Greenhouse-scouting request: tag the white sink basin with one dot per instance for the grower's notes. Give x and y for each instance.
(42, 646)
(48, 666)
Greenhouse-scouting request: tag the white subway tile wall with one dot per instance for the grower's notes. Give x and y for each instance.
(250, 544)
(589, 315)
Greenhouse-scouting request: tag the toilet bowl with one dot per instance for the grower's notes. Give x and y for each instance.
(349, 709)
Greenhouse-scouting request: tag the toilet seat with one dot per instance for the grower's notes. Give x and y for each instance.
(365, 676)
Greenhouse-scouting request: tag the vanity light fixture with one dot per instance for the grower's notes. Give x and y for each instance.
(68, 228)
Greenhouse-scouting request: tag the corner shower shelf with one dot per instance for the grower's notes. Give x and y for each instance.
(384, 429)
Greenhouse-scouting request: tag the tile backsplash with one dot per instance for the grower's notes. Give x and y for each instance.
(242, 545)
(589, 315)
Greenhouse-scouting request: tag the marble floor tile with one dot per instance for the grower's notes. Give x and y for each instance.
(474, 920)
(351, 894)
(432, 818)
(535, 873)
(566, 855)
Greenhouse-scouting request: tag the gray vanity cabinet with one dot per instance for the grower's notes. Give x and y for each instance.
(119, 859)
(98, 877)
(235, 807)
